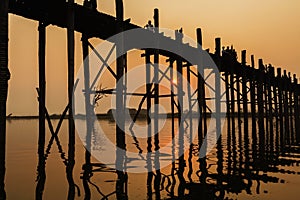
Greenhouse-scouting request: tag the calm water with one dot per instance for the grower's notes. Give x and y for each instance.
(236, 168)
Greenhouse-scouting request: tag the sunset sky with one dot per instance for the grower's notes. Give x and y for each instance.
(268, 29)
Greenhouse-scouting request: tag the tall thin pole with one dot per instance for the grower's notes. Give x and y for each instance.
(42, 101)
(244, 91)
(4, 77)
(155, 78)
(71, 145)
(120, 107)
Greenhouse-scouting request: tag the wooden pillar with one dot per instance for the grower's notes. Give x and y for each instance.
(260, 102)
(42, 102)
(238, 101)
(148, 91)
(218, 87)
(285, 108)
(4, 77)
(296, 109)
(280, 106)
(120, 107)
(290, 107)
(71, 145)
(244, 91)
(253, 100)
(178, 37)
(276, 113)
(232, 98)
(88, 106)
(270, 103)
(155, 78)
(200, 85)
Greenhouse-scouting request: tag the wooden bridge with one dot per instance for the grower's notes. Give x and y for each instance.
(266, 96)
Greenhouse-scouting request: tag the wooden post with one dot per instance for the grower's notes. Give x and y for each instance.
(260, 102)
(200, 85)
(238, 99)
(232, 98)
(218, 87)
(296, 109)
(120, 107)
(280, 105)
(88, 106)
(148, 91)
(285, 107)
(270, 102)
(42, 101)
(178, 37)
(253, 101)
(290, 96)
(275, 97)
(4, 77)
(155, 78)
(71, 145)
(244, 91)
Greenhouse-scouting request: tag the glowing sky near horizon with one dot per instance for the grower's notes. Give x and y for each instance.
(268, 29)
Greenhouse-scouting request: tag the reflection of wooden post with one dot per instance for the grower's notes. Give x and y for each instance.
(42, 91)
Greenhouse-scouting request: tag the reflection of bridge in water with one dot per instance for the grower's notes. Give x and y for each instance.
(262, 108)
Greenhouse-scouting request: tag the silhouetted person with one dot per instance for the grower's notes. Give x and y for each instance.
(149, 26)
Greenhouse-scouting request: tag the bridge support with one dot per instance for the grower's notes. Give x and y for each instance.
(4, 77)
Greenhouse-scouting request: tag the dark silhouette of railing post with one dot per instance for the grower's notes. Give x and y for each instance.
(4, 77)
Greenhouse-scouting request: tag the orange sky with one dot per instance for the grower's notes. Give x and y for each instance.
(268, 29)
